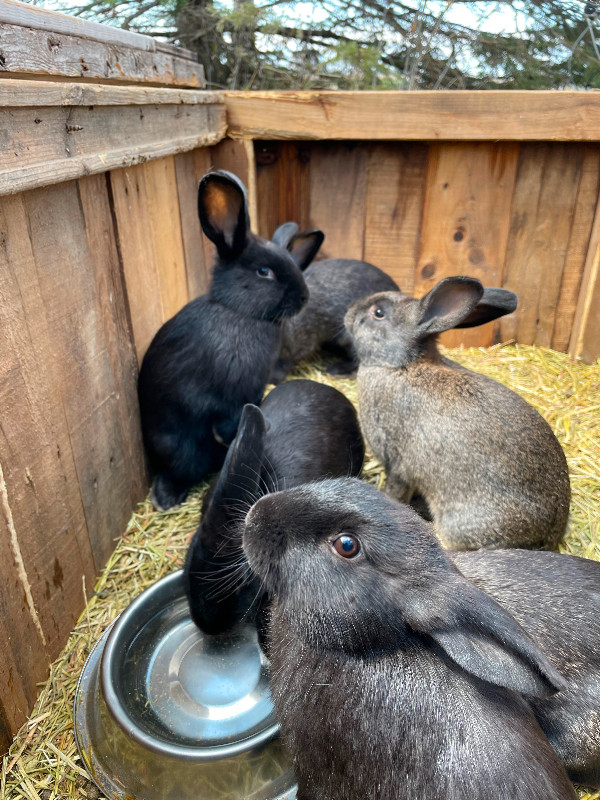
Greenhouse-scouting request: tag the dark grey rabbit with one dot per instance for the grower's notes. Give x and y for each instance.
(303, 431)
(393, 676)
(334, 284)
(556, 598)
(487, 464)
(216, 354)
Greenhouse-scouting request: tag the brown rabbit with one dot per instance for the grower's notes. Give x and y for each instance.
(488, 465)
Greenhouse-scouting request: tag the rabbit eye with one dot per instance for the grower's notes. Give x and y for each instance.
(265, 272)
(377, 312)
(346, 546)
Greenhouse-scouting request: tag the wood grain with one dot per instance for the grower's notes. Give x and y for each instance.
(189, 168)
(338, 187)
(45, 340)
(415, 116)
(579, 240)
(17, 13)
(165, 228)
(29, 51)
(118, 469)
(468, 193)
(25, 660)
(540, 224)
(54, 144)
(237, 156)
(585, 336)
(15, 93)
(283, 172)
(93, 396)
(394, 208)
(151, 246)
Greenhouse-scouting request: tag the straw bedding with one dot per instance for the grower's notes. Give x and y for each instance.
(43, 763)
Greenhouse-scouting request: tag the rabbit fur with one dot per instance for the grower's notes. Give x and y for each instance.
(392, 675)
(216, 353)
(303, 431)
(486, 462)
(334, 284)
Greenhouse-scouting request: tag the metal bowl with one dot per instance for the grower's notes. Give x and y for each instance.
(162, 711)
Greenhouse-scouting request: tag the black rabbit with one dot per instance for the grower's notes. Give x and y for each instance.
(556, 598)
(393, 676)
(215, 354)
(487, 464)
(303, 431)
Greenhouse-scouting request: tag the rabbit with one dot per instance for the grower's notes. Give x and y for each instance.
(334, 284)
(303, 431)
(487, 464)
(215, 354)
(392, 675)
(556, 598)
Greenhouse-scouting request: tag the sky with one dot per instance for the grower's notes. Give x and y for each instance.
(500, 18)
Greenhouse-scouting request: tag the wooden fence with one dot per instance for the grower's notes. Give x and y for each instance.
(100, 243)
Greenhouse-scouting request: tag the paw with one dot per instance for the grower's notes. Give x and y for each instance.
(165, 494)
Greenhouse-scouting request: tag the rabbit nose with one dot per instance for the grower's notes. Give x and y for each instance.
(250, 519)
(258, 515)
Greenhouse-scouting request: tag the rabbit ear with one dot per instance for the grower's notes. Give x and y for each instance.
(284, 234)
(483, 639)
(305, 246)
(448, 304)
(494, 303)
(223, 212)
(239, 479)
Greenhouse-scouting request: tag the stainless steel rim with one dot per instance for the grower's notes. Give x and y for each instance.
(95, 771)
(168, 587)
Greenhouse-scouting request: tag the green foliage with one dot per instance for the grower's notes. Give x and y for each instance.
(372, 44)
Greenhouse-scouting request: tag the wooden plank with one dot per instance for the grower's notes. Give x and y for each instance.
(394, 208)
(25, 661)
(132, 216)
(41, 350)
(268, 169)
(189, 168)
(282, 185)
(423, 115)
(238, 157)
(165, 227)
(16, 13)
(252, 184)
(541, 215)
(465, 220)
(118, 453)
(579, 239)
(29, 51)
(585, 337)
(338, 185)
(231, 154)
(202, 164)
(42, 94)
(52, 145)
(151, 246)
(91, 397)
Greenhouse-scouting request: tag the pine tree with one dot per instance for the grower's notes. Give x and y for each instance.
(373, 44)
